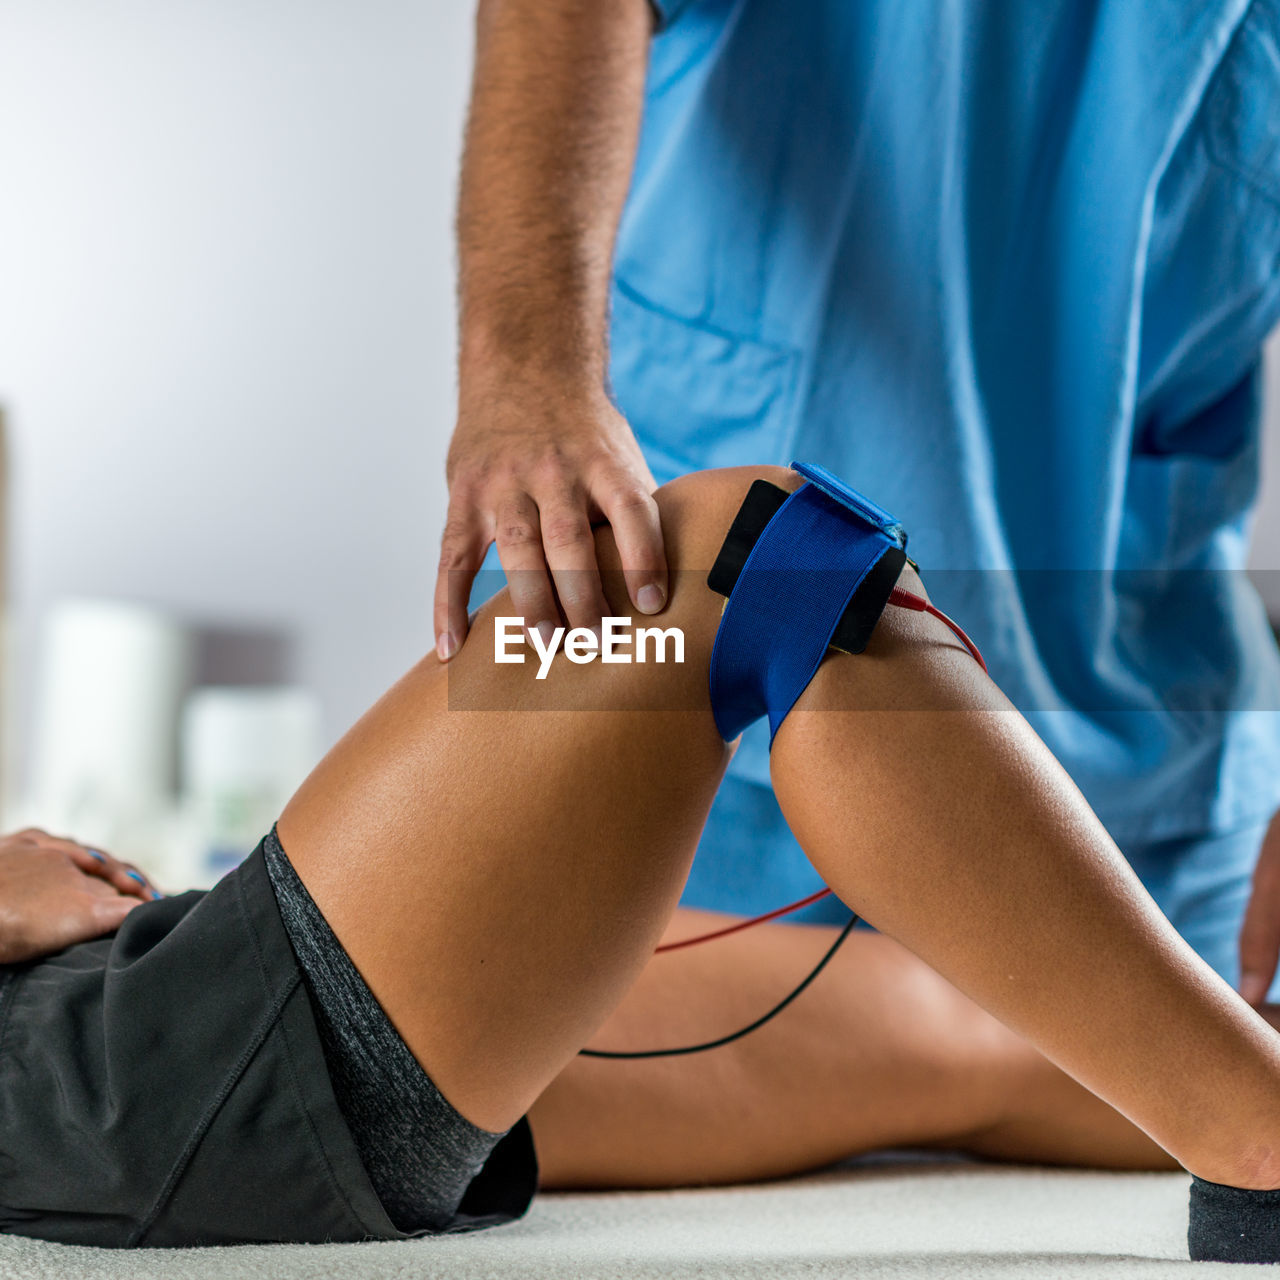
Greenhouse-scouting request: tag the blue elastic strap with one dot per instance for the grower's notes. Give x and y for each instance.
(790, 596)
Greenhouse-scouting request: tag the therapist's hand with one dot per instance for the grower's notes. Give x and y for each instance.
(532, 469)
(55, 892)
(1260, 934)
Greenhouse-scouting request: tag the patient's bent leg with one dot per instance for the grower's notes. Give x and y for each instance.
(955, 831)
(500, 877)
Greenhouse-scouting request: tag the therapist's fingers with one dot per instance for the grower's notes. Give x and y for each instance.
(570, 549)
(633, 515)
(462, 547)
(518, 535)
(1260, 933)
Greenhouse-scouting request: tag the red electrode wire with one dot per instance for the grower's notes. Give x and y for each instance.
(904, 600)
(744, 924)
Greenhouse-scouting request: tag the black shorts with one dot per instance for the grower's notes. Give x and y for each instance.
(166, 1086)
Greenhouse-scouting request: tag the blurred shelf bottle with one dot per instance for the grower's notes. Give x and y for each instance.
(244, 752)
(111, 679)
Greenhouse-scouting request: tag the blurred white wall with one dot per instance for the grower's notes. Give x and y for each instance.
(226, 315)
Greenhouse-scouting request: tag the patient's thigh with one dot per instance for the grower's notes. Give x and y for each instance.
(500, 876)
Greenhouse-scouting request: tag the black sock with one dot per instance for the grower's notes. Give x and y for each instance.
(1229, 1224)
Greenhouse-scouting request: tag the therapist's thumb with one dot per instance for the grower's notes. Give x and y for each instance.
(1260, 933)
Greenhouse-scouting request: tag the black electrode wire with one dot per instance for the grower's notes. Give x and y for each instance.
(736, 1035)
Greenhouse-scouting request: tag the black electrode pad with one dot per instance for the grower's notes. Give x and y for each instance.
(859, 619)
(761, 504)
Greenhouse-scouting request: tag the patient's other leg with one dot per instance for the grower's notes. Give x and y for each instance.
(879, 1052)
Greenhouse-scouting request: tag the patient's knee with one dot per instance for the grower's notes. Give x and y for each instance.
(697, 510)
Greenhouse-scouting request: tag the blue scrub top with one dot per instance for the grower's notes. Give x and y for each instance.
(1006, 267)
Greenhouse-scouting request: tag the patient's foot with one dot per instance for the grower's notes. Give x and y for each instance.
(1229, 1224)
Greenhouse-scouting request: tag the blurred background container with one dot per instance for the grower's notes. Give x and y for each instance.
(244, 752)
(110, 680)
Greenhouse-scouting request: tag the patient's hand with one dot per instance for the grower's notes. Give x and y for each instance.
(55, 892)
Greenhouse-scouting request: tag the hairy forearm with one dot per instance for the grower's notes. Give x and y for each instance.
(555, 110)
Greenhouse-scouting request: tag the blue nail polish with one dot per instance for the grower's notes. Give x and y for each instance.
(93, 853)
(133, 875)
